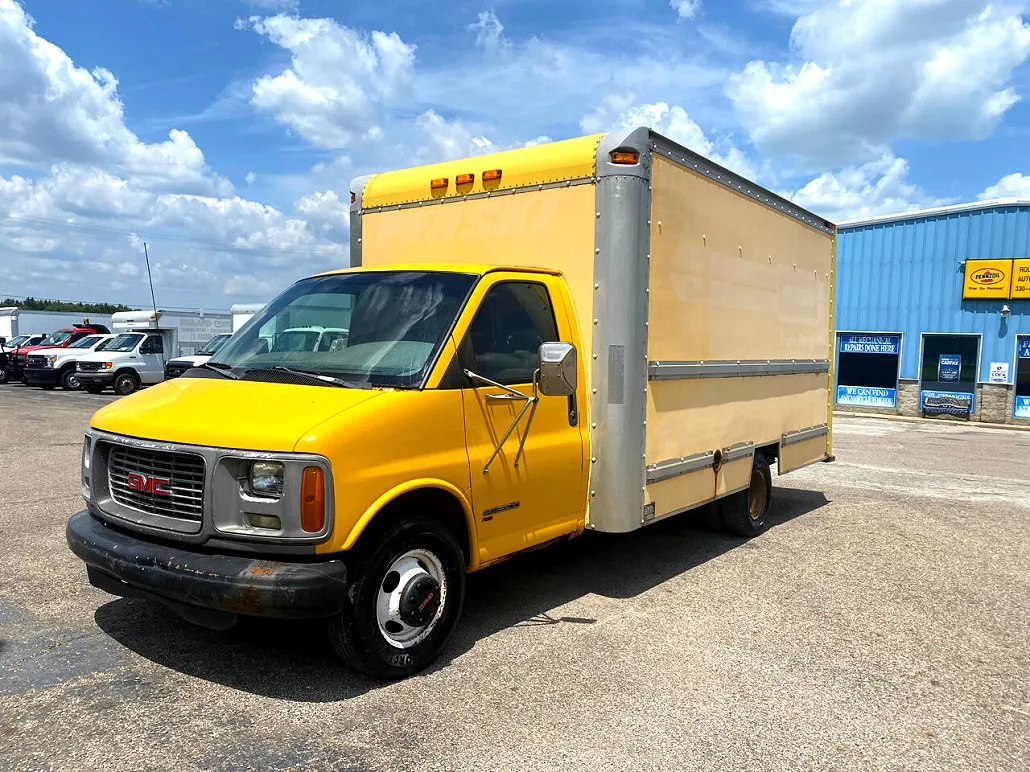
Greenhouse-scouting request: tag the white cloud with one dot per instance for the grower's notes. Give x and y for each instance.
(685, 9)
(874, 188)
(489, 32)
(250, 178)
(447, 140)
(52, 111)
(339, 83)
(1010, 186)
(867, 72)
(543, 139)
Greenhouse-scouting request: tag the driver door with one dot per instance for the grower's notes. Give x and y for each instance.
(542, 496)
(151, 354)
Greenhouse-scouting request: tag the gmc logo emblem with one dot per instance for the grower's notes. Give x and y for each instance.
(156, 486)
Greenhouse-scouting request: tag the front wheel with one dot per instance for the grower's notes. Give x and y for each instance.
(404, 600)
(746, 513)
(69, 380)
(125, 384)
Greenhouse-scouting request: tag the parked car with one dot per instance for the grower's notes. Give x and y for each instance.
(9, 351)
(60, 339)
(52, 367)
(176, 367)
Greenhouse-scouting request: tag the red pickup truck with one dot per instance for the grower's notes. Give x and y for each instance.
(60, 339)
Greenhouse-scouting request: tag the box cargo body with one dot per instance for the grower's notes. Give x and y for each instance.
(704, 303)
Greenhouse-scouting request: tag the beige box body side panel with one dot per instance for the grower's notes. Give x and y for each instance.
(552, 228)
(731, 279)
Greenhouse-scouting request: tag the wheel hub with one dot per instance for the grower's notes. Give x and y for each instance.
(420, 599)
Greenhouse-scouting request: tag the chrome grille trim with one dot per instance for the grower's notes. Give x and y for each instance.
(185, 473)
(89, 366)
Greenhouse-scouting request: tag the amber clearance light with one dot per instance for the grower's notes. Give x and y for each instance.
(312, 500)
(438, 183)
(627, 157)
(465, 179)
(490, 175)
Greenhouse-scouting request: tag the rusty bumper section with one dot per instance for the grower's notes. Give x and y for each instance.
(206, 589)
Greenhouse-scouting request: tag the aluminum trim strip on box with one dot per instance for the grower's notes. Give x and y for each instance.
(677, 467)
(671, 371)
(738, 451)
(803, 435)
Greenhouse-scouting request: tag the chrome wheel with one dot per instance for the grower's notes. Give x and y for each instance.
(757, 496)
(411, 598)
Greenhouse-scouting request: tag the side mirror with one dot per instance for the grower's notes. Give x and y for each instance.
(557, 369)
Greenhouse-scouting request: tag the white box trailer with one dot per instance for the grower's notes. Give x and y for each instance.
(242, 312)
(18, 321)
(183, 332)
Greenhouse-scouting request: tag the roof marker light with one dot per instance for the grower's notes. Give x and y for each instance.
(439, 183)
(491, 175)
(625, 157)
(465, 179)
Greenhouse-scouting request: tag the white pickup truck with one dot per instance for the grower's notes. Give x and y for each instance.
(53, 367)
(176, 367)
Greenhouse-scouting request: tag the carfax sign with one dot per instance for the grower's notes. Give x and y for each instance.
(870, 344)
(949, 367)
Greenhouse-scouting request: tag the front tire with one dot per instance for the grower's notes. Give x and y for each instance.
(69, 380)
(125, 384)
(404, 600)
(746, 513)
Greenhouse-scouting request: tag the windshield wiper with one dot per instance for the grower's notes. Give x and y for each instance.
(225, 370)
(315, 376)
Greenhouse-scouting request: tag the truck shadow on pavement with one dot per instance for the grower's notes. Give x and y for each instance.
(293, 660)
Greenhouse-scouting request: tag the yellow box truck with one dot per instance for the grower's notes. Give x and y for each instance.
(591, 334)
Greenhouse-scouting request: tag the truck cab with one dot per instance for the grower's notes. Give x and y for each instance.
(128, 361)
(9, 350)
(52, 367)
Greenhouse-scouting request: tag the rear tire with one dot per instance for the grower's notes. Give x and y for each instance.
(69, 380)
(125, 384)
(746, 513)
(389, 628)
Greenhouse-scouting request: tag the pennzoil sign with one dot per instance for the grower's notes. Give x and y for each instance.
(987, 279)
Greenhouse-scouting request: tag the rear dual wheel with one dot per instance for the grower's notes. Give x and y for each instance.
(746, 513)
(404, 600)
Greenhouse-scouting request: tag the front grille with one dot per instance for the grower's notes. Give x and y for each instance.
(184, 473)
(37, 362)
(174, 370)
(89, 367)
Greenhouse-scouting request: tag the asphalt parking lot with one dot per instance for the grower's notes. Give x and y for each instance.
(882, 623)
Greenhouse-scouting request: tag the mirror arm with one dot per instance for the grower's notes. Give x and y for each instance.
(530, 405)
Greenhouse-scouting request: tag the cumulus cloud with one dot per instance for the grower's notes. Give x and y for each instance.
(1010, 186)
(52, 111)
(447, 140)
(867, 72)
(339, 81)
(489, 32)
(878, 187)
(685, 9)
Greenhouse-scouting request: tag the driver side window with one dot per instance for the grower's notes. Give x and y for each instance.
(506, 333)
(152, 345)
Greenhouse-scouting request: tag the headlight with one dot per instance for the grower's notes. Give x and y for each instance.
(52, 360)
(266, 479)
(105, 365)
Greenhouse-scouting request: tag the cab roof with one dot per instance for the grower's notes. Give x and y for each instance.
(476, 269)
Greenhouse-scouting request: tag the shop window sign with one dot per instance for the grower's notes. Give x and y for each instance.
(1021, 406)
(949, 367)
(948, 373)
(867, 370)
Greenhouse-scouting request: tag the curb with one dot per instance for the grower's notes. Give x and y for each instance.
(917, 420)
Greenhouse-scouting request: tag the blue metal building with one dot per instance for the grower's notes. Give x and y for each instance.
(933, 312)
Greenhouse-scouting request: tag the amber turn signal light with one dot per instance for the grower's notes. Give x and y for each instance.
(627, 157)
(490, 175)
(465, 179)
(312, 500)
(438, 183)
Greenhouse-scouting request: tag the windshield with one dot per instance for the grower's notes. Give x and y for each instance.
(86, 342)
(125, 342)
(214, 344)
(381, 328)
(56, 338)
(17, 340)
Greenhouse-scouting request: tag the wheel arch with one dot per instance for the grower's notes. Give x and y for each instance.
(442, 498)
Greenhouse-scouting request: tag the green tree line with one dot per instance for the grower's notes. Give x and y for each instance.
(42, 304)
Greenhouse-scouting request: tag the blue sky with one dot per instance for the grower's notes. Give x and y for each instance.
(225, 132)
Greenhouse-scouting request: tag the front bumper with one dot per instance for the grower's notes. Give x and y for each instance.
(204, 588)
(40, 376)
(94, 378)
